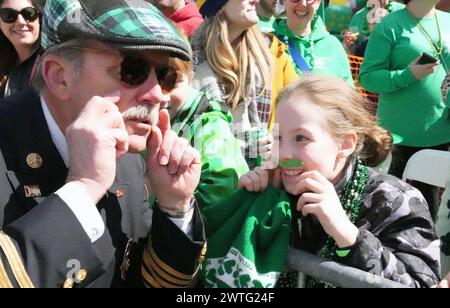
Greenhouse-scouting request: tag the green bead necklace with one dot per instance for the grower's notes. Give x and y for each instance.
(311, 49)
(351, 199)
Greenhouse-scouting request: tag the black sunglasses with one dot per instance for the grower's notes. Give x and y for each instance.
(10, 16)
(135, 70)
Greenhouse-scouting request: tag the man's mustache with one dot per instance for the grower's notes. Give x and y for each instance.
(141, 113)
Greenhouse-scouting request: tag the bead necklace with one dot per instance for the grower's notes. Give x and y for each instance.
(351, 199)
(311, 44)
(436, 49)
(312, 59)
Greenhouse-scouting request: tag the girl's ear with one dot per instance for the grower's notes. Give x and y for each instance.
(348, 145)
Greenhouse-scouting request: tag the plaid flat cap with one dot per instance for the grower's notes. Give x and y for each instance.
(123, 24)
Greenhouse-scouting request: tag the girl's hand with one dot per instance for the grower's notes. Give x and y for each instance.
(444, 284)
(255, 181)
(319, 198)
(259, 179)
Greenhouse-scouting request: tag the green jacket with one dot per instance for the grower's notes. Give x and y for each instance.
(408, 107)
(205, 123)
(322, 51)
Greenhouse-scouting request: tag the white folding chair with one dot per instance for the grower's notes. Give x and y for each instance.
(433, 167)
(429, 166)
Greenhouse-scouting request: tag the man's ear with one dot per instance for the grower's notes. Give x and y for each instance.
(56, 72)
(348, 145)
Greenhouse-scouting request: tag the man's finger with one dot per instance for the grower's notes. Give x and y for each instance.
(169, 139)
(178, 152)
(164, 121)
(114, 119)
(153, 147)
(122, 141)
(98, 105)
(188, 159)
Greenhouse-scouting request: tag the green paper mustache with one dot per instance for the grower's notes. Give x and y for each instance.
(291, 163)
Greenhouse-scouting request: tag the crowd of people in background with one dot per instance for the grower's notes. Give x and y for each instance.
(241, 127)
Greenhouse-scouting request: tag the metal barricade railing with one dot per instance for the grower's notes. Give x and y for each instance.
(336, 273)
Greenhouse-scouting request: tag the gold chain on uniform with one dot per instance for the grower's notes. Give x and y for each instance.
(428, 37)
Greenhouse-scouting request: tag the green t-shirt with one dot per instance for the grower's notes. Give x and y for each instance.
(321, 51)
(410, 108)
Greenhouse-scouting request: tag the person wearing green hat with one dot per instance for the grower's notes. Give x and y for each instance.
(410, 102)
(310, 43)
(238, 64)
(74, 209)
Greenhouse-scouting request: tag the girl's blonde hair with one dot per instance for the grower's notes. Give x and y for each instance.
(236, 65)
(346, 112)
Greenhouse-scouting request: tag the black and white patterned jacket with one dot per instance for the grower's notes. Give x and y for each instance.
(397, 238)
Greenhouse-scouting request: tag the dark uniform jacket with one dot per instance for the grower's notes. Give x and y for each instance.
(42, 244)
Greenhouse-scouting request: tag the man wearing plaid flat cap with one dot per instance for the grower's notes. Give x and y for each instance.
(74, 188)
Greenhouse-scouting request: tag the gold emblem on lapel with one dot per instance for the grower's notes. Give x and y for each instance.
(34, 160)
(32, 191)
(120, 193)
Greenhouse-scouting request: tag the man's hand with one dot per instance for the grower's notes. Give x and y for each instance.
(174, 167)
(96, 139)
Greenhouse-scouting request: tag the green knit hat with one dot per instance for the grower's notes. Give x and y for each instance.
(123, 24)
(338, 18)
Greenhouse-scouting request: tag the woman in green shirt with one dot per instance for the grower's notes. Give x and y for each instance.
(311, 47)
(410, 103)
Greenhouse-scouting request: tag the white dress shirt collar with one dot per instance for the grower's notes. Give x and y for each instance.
(55, 132)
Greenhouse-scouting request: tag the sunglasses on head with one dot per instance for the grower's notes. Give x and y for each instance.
(10, 16)
(135, 70)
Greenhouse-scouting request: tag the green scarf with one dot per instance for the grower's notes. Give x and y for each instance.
(248, 239)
